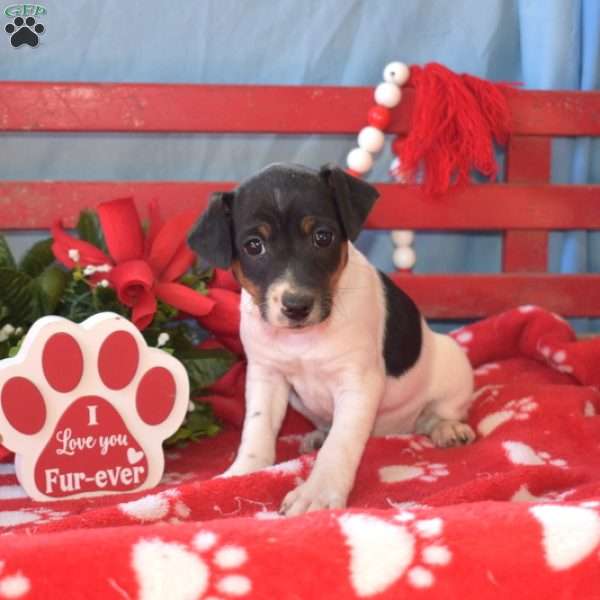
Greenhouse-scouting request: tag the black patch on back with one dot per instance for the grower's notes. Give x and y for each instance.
(403, 335)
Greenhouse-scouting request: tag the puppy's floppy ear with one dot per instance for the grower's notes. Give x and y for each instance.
(211, 236)
(354, 198)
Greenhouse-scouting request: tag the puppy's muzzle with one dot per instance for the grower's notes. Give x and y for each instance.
(297, 306)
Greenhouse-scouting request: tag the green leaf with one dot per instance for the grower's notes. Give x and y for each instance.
(89, 230)
(6, 258)
(19, 293)
(41, 304)
(199, 423)
(79, 301)
(14, 350)
(196, 283)
(52, 283)
(4, 314)
(204, 367)
(206, 274)
(38, 258)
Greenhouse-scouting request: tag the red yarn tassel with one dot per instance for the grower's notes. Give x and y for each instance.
(455, 121)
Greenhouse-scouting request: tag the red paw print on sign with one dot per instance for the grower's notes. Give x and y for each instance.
(87, 407)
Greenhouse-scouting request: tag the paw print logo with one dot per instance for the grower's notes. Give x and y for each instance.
(178, 572)
(24, 32)
(515, 410)
(15, 585)
(383, 553)
(86, 407)
(521, 454)
(421, 471)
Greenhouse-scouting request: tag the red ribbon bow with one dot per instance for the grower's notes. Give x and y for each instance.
(144, 267)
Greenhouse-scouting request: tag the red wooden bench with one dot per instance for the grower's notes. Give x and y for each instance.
(525, 208)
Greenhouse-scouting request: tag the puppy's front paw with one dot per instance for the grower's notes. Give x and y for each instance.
(313, 494)
(447, 434)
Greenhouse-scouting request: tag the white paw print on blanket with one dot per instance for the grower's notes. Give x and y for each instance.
(418, 444)
(175, 478)
(381, 553)
(14, 585)
(515, 410)
(13, 518)
(521, 454)
(527, 308)
(464, 337)
(524, 495)
(486, 369)
(569, 534)
(157, 507)
(179, 572)
(556, 359)
(422, 471)
(486, 394)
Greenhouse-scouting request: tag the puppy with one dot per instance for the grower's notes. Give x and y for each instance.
(325, 331)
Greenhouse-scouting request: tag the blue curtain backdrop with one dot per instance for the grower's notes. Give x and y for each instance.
(547, 44)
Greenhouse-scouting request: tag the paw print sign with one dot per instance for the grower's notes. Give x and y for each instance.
(86, 408)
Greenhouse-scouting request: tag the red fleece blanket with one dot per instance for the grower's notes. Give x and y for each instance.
(514, 515)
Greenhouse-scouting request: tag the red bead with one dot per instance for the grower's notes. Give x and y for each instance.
(379, 116)
(353, 173)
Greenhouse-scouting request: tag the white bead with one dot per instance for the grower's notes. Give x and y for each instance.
(371, 139)
(359, 160)
(403, 237)
(396, 72)
(404, 257)
(388, 94)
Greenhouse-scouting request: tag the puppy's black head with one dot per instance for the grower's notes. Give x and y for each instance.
(285, 233)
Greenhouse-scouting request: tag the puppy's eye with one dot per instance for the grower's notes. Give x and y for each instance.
(254, 246)
(322, 238)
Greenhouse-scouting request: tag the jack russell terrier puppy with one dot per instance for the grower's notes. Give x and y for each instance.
(325, 331)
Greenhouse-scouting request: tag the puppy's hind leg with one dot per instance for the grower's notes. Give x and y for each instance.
(451, 393)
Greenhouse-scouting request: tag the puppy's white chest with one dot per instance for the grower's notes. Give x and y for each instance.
(311, 394)
(307, 362)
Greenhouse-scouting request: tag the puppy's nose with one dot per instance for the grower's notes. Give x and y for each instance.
(296, 307)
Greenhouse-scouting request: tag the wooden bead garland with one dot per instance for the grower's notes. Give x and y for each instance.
(371, 140)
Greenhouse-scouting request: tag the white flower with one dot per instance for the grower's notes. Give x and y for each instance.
(163, 338)
(103, 283)
(73, 254)
(92, 269)
(6, 332)
(191, 407)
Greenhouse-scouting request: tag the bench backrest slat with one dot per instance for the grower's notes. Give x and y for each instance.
(525, 208)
